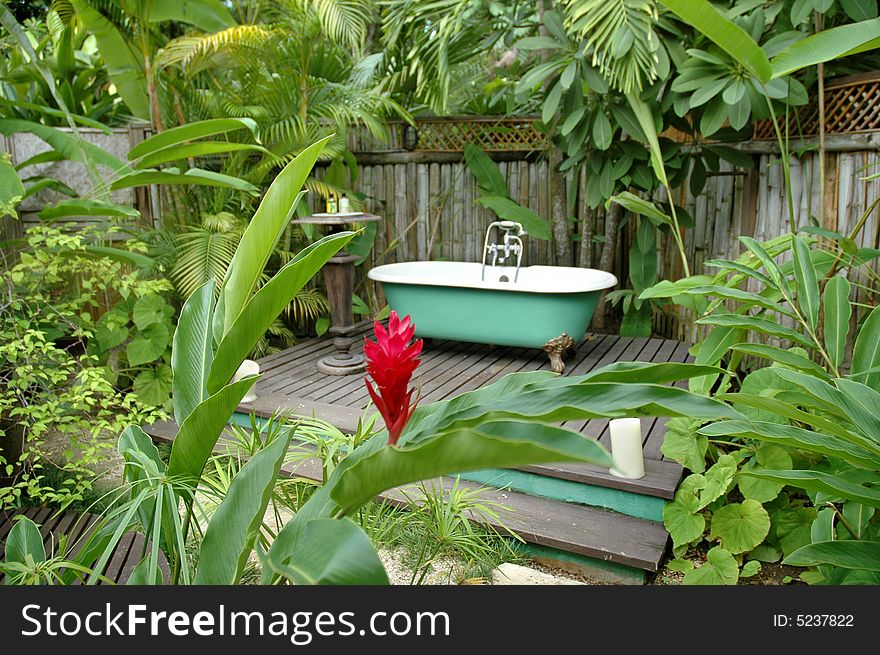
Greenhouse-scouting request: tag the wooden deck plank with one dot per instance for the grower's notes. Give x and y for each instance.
(424, 375)
(120, 555)
(312, 382)
(352, 386)
(454, 378)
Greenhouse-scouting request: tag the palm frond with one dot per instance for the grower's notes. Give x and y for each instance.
(621, 33)
(342, 21)
(204, 252)
(307, 306)
(196, 52)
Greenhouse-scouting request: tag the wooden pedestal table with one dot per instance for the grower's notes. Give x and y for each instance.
(339, 280)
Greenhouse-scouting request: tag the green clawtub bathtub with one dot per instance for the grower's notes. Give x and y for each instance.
(547, 307)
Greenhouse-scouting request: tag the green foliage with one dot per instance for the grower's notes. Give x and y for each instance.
(66, 80)
(26, 562)
(810, 423)
(494, 194)
(11, 189)
(66, 378)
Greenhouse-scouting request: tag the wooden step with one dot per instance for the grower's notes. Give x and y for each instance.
(661, 478)
(588, 531)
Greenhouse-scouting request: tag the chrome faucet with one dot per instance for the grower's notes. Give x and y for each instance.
(510, 244)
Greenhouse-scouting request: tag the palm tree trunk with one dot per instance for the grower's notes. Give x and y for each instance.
(585, 256)
(606, 261)
(561, 227)
(558, 213)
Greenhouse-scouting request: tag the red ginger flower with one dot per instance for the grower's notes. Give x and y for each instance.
(391, 361)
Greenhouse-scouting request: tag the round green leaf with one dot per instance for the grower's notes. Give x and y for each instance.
(149, 309)
(153, 386)
(111, 330)
(720, 568)
(750, 568)
(149, 345)
(768, 457)
(740, 526)
(682, 524)
(684, 444)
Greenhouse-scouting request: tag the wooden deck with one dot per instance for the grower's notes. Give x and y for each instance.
(594, 524)
(290, 380)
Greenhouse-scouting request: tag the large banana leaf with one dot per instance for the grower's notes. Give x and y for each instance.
(498, 425)
(508, 210)
(206, 15)
(862, 555)
(485, 170)
(499, 444)
(837, 314)
(192, 352)
(183, 133)
(264, 231)
(265, 306)
(189, 150)
(235, 525)
(124, 66)
(331, 552)
(69, 145)
(199, 432)
(824, 482)
(866, 352)
(191, 177)
(827, 45)
(726, 34)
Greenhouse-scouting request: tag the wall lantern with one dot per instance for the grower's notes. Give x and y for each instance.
(410, 137)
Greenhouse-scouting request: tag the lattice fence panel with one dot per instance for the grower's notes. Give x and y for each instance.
(491, 133)
(850, 107)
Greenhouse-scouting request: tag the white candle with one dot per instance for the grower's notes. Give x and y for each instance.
(248, 367)
(626, 448)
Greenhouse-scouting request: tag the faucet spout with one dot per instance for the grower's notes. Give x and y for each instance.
(509, 244)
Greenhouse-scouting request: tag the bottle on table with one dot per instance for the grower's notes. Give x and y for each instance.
(344, 205)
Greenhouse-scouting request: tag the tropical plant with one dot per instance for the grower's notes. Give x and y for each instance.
(444, 523)
(495, 196)
(69, 55)
(58, 405)
(25, 561)
(808, 424)
(128, 36)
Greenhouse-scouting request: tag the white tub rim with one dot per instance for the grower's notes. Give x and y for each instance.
(601, 280)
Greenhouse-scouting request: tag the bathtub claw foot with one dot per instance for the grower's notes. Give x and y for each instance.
(556, 349)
